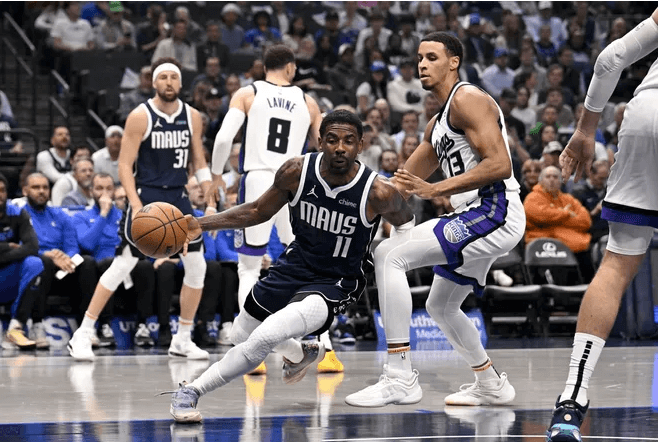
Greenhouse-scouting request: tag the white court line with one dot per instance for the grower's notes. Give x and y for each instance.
(480, 437)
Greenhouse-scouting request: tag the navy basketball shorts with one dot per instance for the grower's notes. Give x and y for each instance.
(175, 196)
(291, 280)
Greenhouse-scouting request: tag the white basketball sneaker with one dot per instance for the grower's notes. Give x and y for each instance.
(394, 387)
(80, 345)
(185, 348)
(496, 392)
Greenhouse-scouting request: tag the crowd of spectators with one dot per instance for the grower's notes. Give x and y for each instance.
(534, 58)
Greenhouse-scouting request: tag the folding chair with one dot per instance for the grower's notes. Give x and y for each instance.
(558, 266)
(511, 305)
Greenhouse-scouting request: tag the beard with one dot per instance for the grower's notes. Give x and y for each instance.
(36, 205)
(168, 99)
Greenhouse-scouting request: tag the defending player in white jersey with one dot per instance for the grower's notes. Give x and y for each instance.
(630, 206)
(279, 117)
(469, 140)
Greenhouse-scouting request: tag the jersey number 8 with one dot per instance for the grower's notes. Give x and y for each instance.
(278, 135)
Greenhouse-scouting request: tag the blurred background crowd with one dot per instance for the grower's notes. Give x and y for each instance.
(90, 68)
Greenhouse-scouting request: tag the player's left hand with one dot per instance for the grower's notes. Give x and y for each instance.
(194, 231)
(414, 185)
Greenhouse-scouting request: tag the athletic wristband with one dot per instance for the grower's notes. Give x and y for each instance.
(209, 207)
(203, 174)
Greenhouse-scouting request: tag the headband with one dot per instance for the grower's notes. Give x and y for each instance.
(165, 67)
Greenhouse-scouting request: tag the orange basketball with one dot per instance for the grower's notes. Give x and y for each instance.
(159, 230)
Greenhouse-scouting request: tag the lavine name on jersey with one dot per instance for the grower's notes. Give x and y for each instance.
(279, 102)
(323, 219)
(170, 139)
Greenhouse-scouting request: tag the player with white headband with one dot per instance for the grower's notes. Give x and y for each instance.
(160, 136)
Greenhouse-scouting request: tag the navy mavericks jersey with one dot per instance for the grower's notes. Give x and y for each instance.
(332, 232)
(163, 156)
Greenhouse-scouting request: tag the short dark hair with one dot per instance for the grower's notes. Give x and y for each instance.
(4, 180)
(452, 44)
(160, 61)
(277, 57)
(341, 116)
(102, 176)
(551, 89)
(80, 148)
(408, 112)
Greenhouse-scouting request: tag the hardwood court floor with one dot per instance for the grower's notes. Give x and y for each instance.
(49, 397)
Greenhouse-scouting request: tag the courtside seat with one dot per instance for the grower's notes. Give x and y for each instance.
(563, 288)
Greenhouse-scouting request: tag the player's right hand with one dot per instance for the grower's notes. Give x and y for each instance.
(212, 194)
(194, 231)
(135, 210)
(577, 156)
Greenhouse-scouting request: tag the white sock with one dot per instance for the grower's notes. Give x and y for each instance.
(209, 380)
(324, 338)
(486, 371)
(185, 327)
(14, 324)
(584, 357)
(400, 358)
(234, 364)
(88, 322)
(290, 349)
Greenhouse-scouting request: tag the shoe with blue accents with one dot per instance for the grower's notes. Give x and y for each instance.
(183, 405)
(566, 423)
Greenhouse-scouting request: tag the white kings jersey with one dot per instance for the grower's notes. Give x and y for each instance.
(456, 156)
(651, 80)
(276, 128)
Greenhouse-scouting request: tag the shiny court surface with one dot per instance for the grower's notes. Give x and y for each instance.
(49, 397)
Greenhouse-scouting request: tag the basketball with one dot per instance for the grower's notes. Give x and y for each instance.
(159, 230)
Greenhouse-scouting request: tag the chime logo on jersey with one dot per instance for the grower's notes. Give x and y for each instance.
(326, 220)
(455, 231)
(170, 139)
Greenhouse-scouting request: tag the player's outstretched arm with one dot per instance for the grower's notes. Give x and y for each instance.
(202, 172)
(136, 125)
(474, 112)
(315, 122)
(251, 213)
(222, 146)
(422, 163)
(386, 200)
(621, 53)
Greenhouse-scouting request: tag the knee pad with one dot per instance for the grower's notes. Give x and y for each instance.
(383, 251)
(249, 264)
(195, 267)
(121, 267)
(243, 325)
